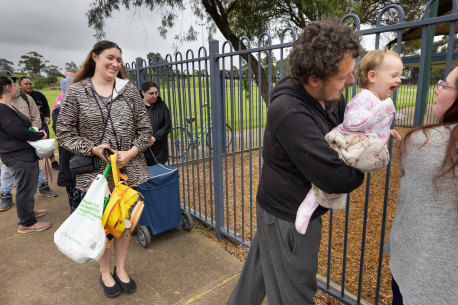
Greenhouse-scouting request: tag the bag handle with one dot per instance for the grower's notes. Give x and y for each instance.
(110, 102)
(157, 163)
(116, 178)
(154, 157)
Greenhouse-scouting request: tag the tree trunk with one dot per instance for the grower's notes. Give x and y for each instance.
(213, 7)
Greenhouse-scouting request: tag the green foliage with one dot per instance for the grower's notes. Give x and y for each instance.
(5, 64)
(238, 18)
(39, 83)
(70, 66)
(53, 70)
(203, 230)
(33, 63)
(154, 58)
(51, 79)
(42, 82)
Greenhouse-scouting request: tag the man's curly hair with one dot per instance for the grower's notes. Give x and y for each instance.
(319, 49)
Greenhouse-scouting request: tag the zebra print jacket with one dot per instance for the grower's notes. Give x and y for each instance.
(82, 120)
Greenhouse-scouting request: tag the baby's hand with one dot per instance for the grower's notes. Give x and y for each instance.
(395, 135)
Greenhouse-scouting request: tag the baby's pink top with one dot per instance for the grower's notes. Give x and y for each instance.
(369, 115)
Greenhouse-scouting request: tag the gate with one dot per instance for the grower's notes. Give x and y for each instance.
(218, 117)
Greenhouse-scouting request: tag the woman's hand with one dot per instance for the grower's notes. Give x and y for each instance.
(123, 157)
(44, 134)
(99, 151)
(152, 141)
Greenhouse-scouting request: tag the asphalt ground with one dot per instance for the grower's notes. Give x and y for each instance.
(179, 267)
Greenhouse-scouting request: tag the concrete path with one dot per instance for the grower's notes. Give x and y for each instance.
(178, 267)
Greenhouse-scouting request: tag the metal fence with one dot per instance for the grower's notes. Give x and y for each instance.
(218, 114)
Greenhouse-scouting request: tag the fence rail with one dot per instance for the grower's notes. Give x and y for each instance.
(218, 114)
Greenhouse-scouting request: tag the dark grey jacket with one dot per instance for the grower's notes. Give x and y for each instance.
(159, 116)
(296, 153)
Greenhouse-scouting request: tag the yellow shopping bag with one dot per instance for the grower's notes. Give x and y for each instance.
(124, 207)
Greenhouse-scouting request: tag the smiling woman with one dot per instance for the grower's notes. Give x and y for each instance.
(423, 242)
(101, 110)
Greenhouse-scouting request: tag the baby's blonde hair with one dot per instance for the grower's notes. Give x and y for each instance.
(369, 62)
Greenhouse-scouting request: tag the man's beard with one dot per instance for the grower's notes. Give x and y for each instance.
(330, 102)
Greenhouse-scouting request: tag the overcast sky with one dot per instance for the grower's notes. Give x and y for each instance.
(58, 30)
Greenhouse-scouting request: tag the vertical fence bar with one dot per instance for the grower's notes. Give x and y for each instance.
(139, 75)
(217, 139)
(425, 58)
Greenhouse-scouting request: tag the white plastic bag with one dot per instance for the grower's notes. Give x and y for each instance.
(44, 148)
(81, 237)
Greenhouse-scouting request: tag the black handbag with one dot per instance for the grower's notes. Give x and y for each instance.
(86, 164)
(83, 164)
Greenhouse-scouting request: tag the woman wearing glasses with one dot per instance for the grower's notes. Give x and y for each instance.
(423, 242)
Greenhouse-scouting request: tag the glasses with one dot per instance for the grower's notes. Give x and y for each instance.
(441, 85)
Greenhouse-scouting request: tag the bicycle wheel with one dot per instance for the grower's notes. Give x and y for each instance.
(179, 142)
(228, 137)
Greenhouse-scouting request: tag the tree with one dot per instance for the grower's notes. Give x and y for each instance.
(5, 64)
(237, 18)
(71, 66)
(52, 70)
(154, 58)
(33, 63)
(440, 46)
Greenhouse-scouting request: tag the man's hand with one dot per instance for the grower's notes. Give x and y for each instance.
(47, 121)
(395, 135)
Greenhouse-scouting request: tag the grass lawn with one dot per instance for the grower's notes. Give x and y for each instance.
(243, 109)
(51, 95)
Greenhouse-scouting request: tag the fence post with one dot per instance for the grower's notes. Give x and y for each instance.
(425, 62)
(138, 75)
(217, 138)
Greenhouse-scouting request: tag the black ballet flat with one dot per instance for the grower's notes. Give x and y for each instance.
(126, 287)
(112, 291)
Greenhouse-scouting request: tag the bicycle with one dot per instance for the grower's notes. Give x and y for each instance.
(182, 138)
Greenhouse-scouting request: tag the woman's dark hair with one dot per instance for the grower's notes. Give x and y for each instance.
(88, 67)
(4, 81)
(319, 49)
(450, 118)
(146, 86)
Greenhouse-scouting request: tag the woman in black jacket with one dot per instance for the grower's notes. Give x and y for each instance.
(160, 121)
(20, 156)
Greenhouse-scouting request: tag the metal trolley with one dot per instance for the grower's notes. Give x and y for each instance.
(162, 211)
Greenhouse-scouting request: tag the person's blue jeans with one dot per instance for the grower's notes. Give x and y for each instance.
(6, 179)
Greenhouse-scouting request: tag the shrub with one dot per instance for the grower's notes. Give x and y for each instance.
(51, 80)
(40, 83)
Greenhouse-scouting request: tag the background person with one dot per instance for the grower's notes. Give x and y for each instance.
(66, 81)
(20, 156)
(159, 116)
(26, 105)
(423, 242)
(84, 127)
(26, 86)
(304, 107)
(65, 177)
